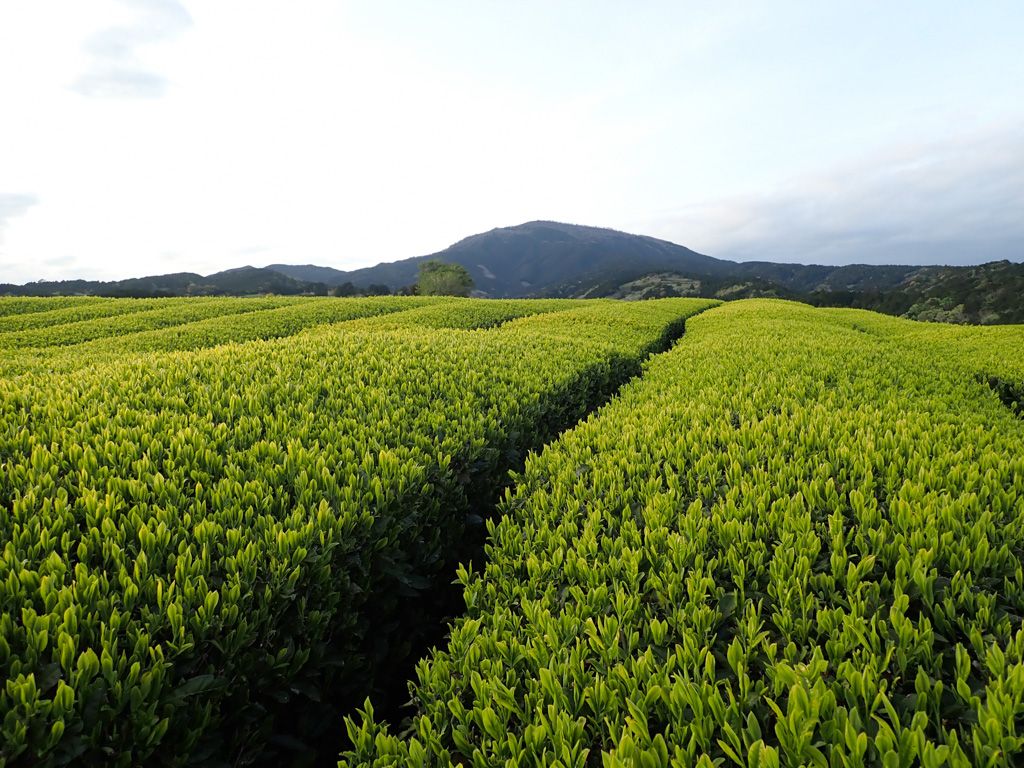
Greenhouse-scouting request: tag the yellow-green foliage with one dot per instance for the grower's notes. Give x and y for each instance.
(262, 323)
(473, 313)
(23, 305)
(143, 315)
(61, 313)
(241, 323)
(797, 540)
(987, 351)
(193, 542)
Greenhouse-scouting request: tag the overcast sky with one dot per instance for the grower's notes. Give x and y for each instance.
(148, 136)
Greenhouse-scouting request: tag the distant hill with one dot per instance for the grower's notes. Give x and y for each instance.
(547, 258)
(986, 294)
(232, 282)
(310, 273)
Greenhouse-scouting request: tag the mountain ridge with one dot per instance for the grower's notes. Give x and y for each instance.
(553, 259)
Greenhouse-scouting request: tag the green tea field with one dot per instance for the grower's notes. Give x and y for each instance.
(425, 531)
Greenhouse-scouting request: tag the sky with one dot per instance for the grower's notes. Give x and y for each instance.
(149, 136)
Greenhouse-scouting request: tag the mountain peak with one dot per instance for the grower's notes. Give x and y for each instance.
(553, 258)
(548, 258)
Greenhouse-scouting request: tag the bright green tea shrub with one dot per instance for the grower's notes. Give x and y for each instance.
(143, 315)
(796, 540)
(197, 546)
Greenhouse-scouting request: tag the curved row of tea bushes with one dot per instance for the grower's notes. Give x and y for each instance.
(472, 314)
(23, 305)
(401, 311)
(197, 547)
(74, 313)
(162, 314)
(272, 323)
(990, 353)
(378, 311)
(97, 308)
(791, 542)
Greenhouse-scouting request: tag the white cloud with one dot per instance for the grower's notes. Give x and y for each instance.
(955, 201)
(12, 205)
(116, 66)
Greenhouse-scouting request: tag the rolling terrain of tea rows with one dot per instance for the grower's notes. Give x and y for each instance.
(796, 540)
(794, 537)
(205, 536)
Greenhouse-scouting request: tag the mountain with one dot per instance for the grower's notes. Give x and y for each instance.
(232, 282)
(537, 258)
(986, 294)
(310, 273)
(547, 258)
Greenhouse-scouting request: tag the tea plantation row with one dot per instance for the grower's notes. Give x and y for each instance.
(796, 540)
(201, 550)
(63, 340)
